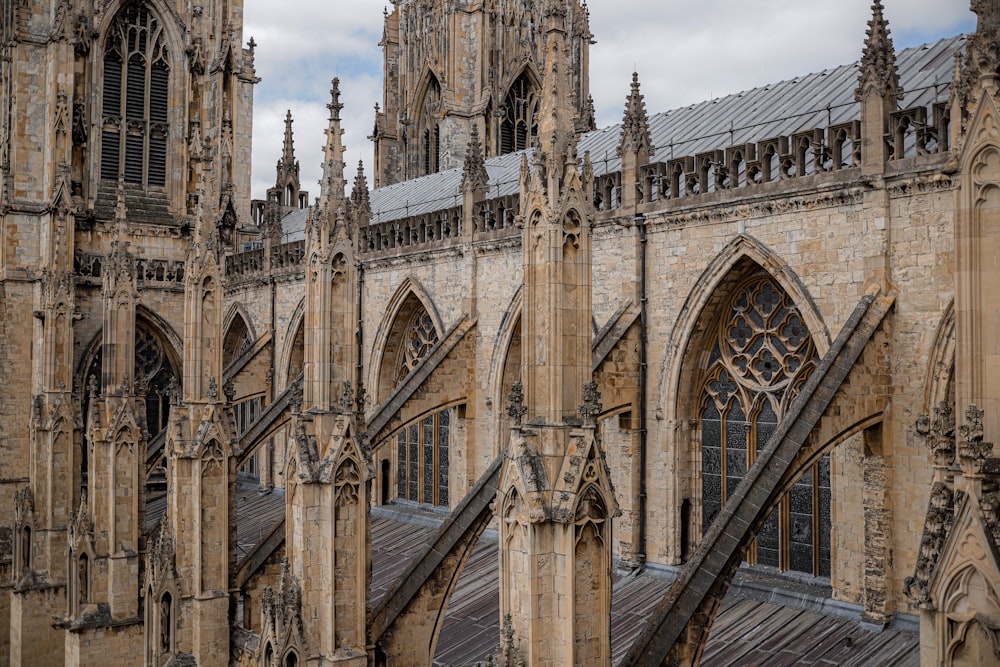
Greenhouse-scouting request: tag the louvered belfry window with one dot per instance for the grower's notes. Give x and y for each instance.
(519, 127)
(134, 113)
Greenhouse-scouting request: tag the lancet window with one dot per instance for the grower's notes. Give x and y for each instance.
(430, 129)
(761, 354)
(422, 459)
(135, 99)
(519, 124)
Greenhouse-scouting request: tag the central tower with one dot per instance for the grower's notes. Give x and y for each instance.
(450, 66)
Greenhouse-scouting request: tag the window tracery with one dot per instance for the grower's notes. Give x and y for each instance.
(761, 355)
(135, 99)
(419, 337)
(519, 124)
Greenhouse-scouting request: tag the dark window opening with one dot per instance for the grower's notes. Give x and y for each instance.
(136, 80)
(519, 127)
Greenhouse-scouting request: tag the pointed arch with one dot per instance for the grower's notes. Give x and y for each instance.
(740, 256)
(140, 50)
(239, 335)
(292, 348)
(430, 105)
(519, 112)
(749, 335)
(505, 366)
(939, 385)
(409, 300)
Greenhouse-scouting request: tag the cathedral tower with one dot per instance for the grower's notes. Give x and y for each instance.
(450, 66)
(120, 126)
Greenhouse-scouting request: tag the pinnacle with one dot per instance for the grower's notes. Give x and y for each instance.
(335, 104)
(635, 124)
(878, 60)
(288, 152)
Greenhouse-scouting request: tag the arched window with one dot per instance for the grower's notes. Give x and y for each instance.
(761, 354)
(237, 340)
(83, 580)
(135, 98)
(519, 126)
(25, 549)
(292, 659)
(269, 655)
(166, 624)
(430, 129)
(422, 459)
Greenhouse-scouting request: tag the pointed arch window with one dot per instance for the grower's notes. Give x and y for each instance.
(519, 124)
(430, 129)
(420, 335)
(135, 99)
(761, 355)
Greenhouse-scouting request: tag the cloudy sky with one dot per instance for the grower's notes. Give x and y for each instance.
(682, 56)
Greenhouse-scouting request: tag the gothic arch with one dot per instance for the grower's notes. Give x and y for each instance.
(518, 124)
(145, 319)
(742, 255)
(429, 105)
(295, 328)
(409, 297)
(506, 344)
(939, 385)
(172, 116)
(753, 407)
(239, 334)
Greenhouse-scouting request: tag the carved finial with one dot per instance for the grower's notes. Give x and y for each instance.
(940, 434)
(332, 183)
(92, 388)
(173, 391)
(556, 131)
(516, 409)
(510, 646)
(361, 399)
(229, 390)
(878, 73)
(972, 451)
(591, 403)
(295, 397)
(474, 175)
(360, 197)
(347, 397)
(983, 46)
(213, 388)
(635, 124)
(288, 148)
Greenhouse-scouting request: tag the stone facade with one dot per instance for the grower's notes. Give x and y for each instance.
(565, 351)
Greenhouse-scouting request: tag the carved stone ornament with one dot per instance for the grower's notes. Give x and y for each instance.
(972, 451)
(591, 403)
(516, 409)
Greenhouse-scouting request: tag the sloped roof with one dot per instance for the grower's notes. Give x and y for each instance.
(815, 100)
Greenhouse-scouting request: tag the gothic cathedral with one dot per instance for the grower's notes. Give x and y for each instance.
(544, 395)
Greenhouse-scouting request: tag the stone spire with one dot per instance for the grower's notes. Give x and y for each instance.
(474, 175)
(288, 149)
(635, 124)
(983, 48)
(332, 185)
(878, 71)
(360, 199)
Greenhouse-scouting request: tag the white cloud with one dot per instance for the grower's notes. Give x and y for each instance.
(682, 56)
